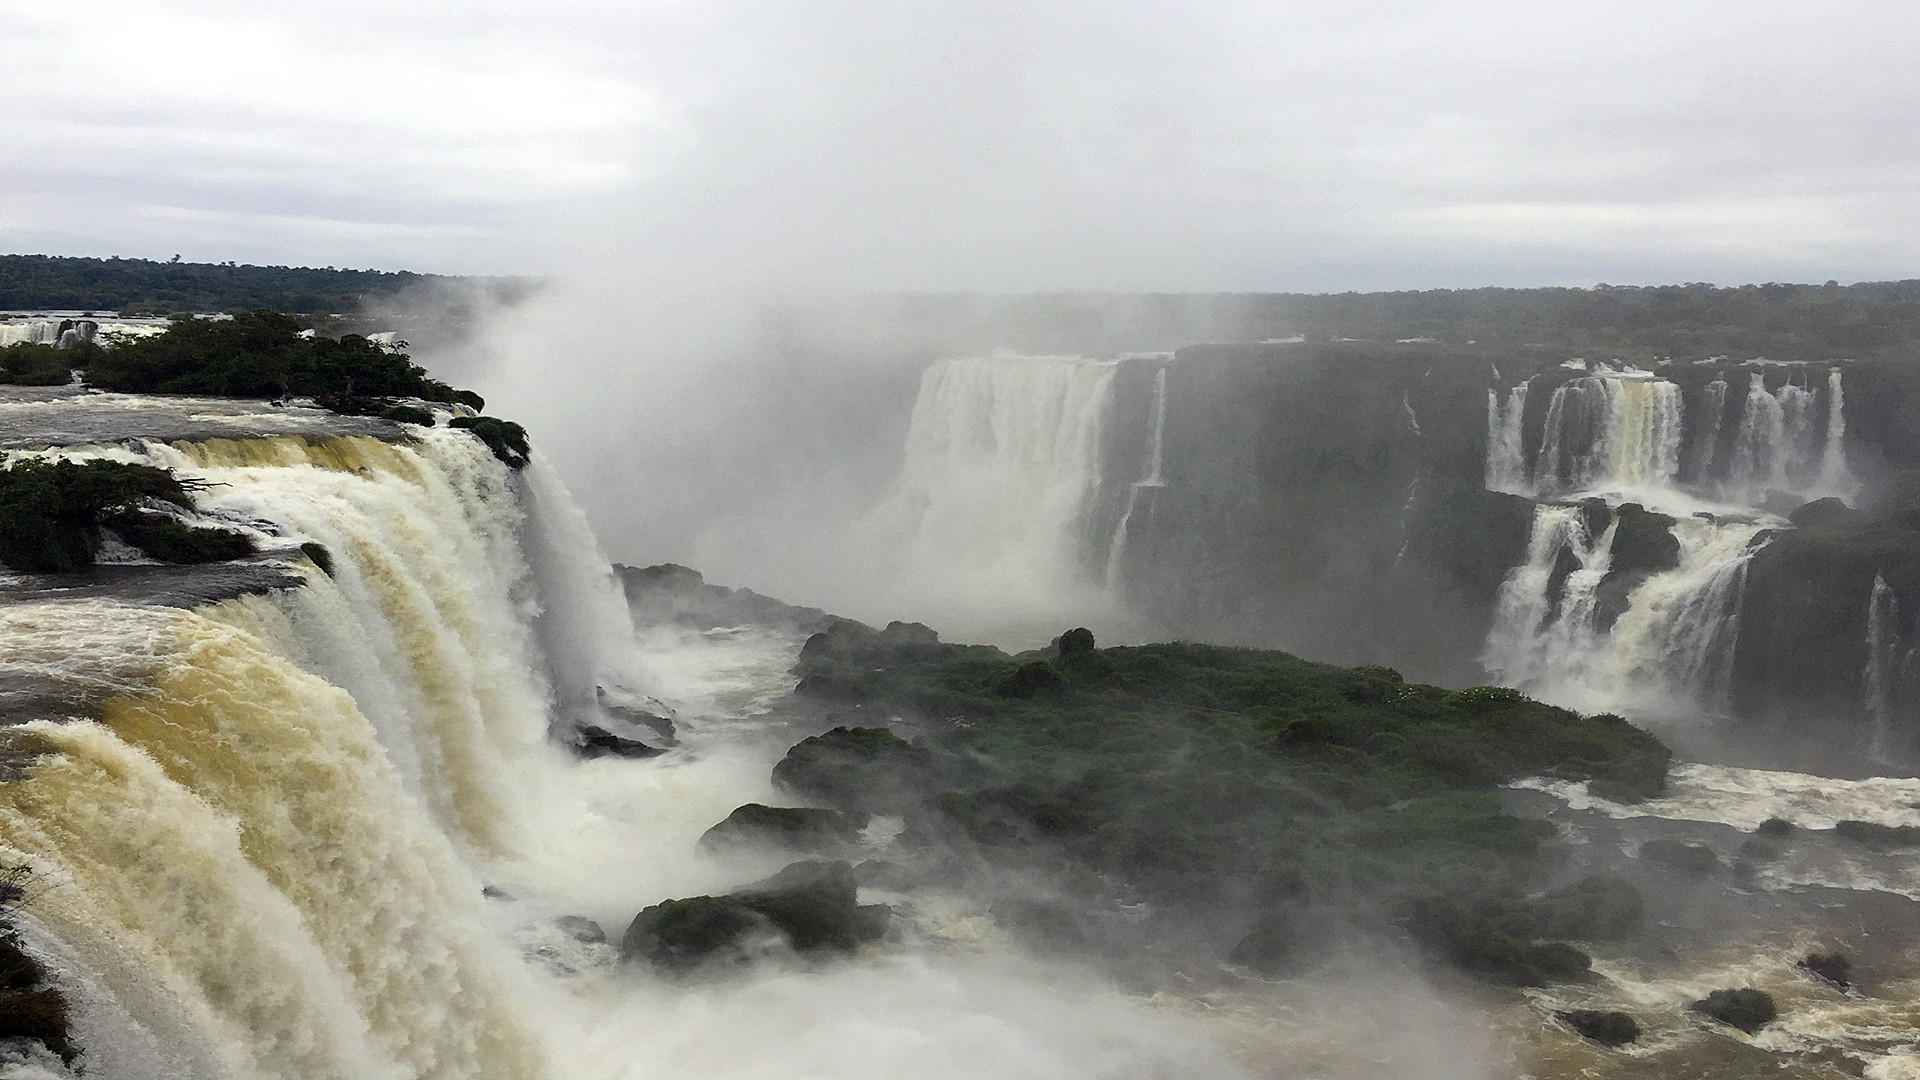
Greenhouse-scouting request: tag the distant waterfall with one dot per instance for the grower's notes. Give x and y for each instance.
(1002, 461)
(1888, 689)
(1679, 630)
(1506, 446)
(1609, 431)
(1156, 444)
(1619, 434)
(1835, 477)
(1672, 644)
(1540, 631)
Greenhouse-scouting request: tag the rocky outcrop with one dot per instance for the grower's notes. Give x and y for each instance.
(803, 829)
(811, 906)
(1746, 1008)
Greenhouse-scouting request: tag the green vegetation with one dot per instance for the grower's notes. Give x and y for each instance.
(1196, 772)
(29, 1008)
(51, 514)
(146, 287)
(260, 354)
(1833, 967)
(506, 439)
(24, 364)
(812, 905)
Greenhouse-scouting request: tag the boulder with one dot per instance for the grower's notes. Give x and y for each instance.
(1077, 640)
(1746, 1008)
(1686, 857)
(868, 769)
(1831, 967)
(597, 742)
(812, 905)
(1029, 679)
(1605, 1028)
(581, 929)
(800, 828)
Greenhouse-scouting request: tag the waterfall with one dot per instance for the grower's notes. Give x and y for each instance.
(1671, 645)
(234, 834)
(1887, 689)
(987, 524)
(1835, 477)
(1156, 443)
(1676, 638)
(271, 834)
(1539, 631)
(1609, 431)
(1506, 449)
(1716, 418)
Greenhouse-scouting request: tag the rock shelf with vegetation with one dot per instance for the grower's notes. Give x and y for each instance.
(1204, 779)
(53, 515)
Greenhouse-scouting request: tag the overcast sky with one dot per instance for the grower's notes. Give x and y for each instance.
(1129, 144)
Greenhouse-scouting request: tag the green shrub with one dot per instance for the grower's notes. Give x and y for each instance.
(24, 364)
(51, 511)
(506, 439)
(407, 414)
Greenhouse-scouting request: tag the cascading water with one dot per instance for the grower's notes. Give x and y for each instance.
(1888, 690)
(1543, 617)
(1671, 645)
(1506, 446)
(1156, 445)
(1612, 431)
(988, 519)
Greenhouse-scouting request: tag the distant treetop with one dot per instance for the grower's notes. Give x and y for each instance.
(147, 287)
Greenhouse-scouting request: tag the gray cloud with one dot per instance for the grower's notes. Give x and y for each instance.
(1225, 145)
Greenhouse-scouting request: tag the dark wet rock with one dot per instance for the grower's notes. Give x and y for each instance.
(1605, 1028)
(1684, 856)
(674, 594)
(1077, 640)
(407, 414)
(1642, 541)
(1775, 827)
(318, 554)
(1878, 837)
(804, 829)
(598, 742)
(29, 1008)
(495, 892)
(813, 905)
(1747, 1009)
(581, 929)
(1832, 967)
(1827, 513)
(884, 874)
(856, 768)
(662, 726)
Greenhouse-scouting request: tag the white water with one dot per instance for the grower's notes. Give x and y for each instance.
(1671, 647)
(1887, 683)
(268, 856)
(1617, 435)
(1506, 447)
(1156, 447)
(987, 522)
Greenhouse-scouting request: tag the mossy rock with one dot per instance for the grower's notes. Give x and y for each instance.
(1775, 827)
(170, 541)
(506, 439)
(1832, 967)
(407, 414)
(1606, 1028)
(1029, 679)
(799, 828)
(1476, 943)
(812, 904)
(867, 769)
(1077, 640)
(1597, 908)
(1746, 1008)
